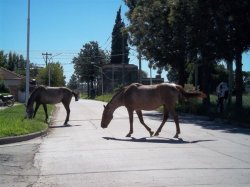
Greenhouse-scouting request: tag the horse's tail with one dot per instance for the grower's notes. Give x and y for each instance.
(76, 95)
(193, 94)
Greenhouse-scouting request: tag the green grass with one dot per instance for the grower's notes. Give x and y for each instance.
(105, 97)
(12, 122)
(83, 95)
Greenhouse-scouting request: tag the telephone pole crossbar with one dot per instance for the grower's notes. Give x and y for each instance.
(47, 64)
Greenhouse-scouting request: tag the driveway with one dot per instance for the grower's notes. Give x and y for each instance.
(83, 154)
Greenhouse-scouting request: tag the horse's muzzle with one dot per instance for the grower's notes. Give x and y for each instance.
(27, 115)
(104, 126)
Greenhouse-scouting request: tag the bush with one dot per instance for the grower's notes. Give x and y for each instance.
(3, 88)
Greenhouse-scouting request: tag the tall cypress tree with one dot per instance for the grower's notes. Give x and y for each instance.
(119, 47)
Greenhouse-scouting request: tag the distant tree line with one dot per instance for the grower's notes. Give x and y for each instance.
(16, 63)
(13, 62)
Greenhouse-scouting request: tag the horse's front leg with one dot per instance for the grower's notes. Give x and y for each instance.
(36, 108)
(130, 113)
(46, 112)
(139, 114)
(165, 118)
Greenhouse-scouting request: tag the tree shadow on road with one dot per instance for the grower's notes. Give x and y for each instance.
(156, 140)
(204, 122)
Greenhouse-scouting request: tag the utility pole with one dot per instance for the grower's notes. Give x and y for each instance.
(28, 57)
(46, 57)
(139, 58)
(47, 64)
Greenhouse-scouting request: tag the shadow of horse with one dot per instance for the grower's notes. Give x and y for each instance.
(62, 126)
(156, 140)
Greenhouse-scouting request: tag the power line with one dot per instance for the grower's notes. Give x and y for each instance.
(46, 57)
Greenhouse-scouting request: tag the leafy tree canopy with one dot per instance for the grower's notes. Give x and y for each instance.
(119, 46)
(57, 77)
(88, 60)
(72, 84)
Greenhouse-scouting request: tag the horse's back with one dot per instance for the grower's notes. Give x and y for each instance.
(142, 97)
(54, 95)
(149, 97)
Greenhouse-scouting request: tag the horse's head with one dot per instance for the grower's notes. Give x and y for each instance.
(29, 112)
(107, 116)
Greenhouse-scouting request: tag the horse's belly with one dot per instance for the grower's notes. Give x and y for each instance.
(53, 101)
(147, 105)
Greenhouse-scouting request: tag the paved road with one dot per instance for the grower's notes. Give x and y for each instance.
(83, 154)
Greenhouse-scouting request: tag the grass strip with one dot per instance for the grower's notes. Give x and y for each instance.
(12, 122)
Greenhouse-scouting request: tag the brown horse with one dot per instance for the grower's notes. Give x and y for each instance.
(137, 97)
(49, 95)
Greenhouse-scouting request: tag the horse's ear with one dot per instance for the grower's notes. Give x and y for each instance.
(104, 106)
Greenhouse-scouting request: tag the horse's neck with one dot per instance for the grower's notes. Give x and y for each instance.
(31, 99)
(116, 102)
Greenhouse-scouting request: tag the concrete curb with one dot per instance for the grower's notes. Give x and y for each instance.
(14, 139)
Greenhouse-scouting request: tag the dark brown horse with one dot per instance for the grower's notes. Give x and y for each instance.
(50, 95)
(137, 97)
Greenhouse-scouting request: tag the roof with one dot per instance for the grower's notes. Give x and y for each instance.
(127, 66)
(9, 75)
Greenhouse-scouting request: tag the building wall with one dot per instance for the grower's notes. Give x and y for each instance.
(116, 75)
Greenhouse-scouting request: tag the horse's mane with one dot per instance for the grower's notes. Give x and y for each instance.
(120, 91)
(33, 94)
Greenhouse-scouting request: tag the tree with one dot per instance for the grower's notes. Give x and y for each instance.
(119, 46)
(157, 30)
(235, 17)
(72, 84)
(13, 62)
(176, 33)
(144, 74)
(85, 64)
(57, 77)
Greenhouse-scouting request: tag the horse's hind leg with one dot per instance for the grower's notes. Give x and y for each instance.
(46, 112)
(66, 106)
(139, 114)
(130, 113)
(165, 118)
(176, 120)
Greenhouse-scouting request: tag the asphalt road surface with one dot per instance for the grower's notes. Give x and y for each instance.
(208, 153)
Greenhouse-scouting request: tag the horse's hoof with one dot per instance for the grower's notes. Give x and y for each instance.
(151, 133)
(128, 135)
(176, 136)
(156, 134)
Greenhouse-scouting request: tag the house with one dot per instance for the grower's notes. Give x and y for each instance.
(12, 80)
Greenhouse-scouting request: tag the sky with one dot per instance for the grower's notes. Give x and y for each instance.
(62, 27)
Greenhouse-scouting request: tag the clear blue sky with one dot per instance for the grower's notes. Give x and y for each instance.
(62, 27)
